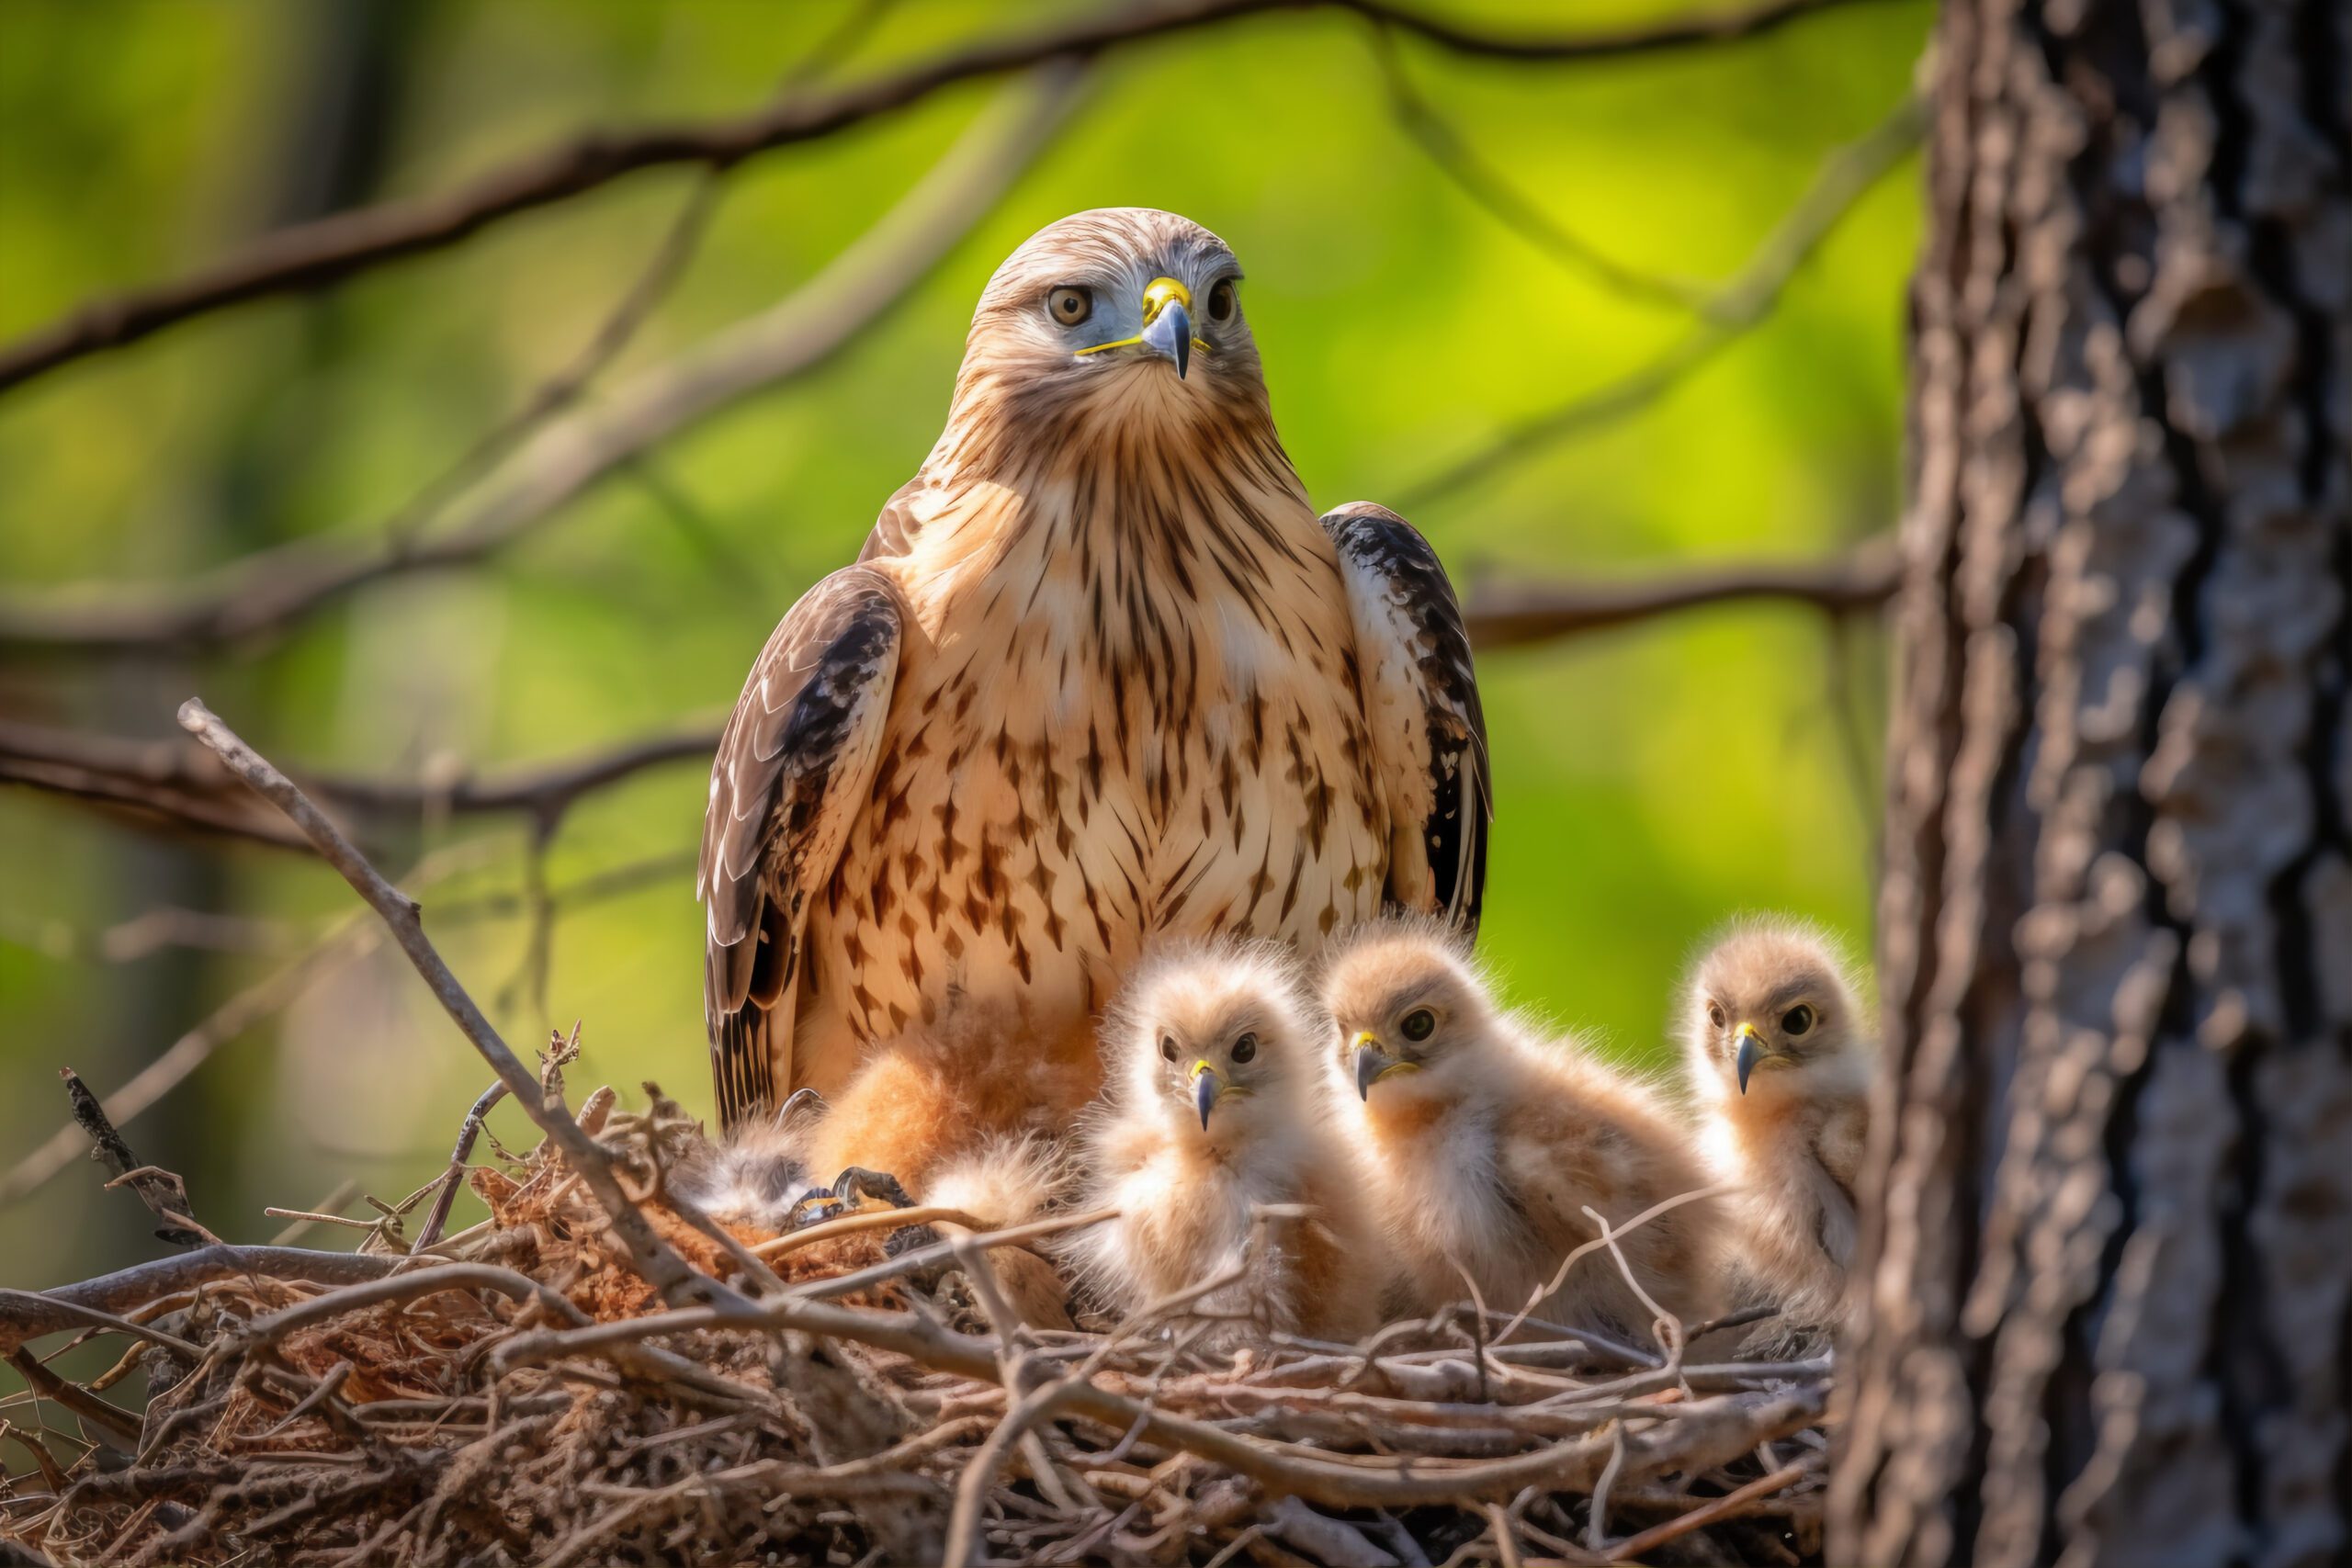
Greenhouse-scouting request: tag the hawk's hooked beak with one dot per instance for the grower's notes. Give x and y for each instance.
(1752, 1049)
(1206, 1086)
(1373, 1064)
(1167, 326)
(1168, 322)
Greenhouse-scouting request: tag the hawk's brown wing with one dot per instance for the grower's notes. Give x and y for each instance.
(793, 770)
(1429, 734)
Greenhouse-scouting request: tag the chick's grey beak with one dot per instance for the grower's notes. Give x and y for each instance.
(1371, 1062)
(1206, 1088)
(1170, 335)
(1752, 1051)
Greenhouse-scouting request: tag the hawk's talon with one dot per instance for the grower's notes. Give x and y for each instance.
(816, 1206)
(908, 1238)
(799, 1101)
(857, 1183)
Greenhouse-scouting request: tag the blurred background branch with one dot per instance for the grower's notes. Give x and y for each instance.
(267, 592)
(330, 250)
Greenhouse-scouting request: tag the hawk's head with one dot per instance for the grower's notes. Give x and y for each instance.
(1123, 312)
(1771, 1002)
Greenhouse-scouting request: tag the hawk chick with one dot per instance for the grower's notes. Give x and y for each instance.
(1484, 1143)
(1779, 1073)
(1210, 1113)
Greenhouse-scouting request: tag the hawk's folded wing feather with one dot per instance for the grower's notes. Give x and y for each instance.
(794, 767)
(1429, 733)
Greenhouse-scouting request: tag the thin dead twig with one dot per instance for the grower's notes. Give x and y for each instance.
(654, 1258)
(165, 1194)
(1729, 1506)
(351, 937)
(460, 1158)
(1729, 314)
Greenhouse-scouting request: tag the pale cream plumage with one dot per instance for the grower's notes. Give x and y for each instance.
(1792, 1135)
(1210, 1113)
(1483, 1143)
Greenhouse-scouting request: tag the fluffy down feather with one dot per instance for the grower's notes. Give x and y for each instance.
(1210, 1116)
(1484, 1143)
(1792, 1135)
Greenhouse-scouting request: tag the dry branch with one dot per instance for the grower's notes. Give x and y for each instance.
(654, 1258)
(165, 1194)
(181, 783)
(1861, 580)
(313, 256)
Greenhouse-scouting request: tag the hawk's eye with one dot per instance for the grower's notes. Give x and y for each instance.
(1796, 1021)
(1221, 300)
(1418, 1024)
(1168, 1047)
(1069, 304)
(1716, 1014)
(1245, 1048)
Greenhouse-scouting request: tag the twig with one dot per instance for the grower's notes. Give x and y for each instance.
(332, 1204)
(1501, 615)
(1493, 190)
(662, 269)
(654, 1260)
(867, 1220)
(468, 1131)
(311, 256)
(351, 937)
(1596, 1530)
(121, 1423)
(1734, 309)
(1560, 1276)
(1671, 1339)
(1724, 1507)
(165, 1194)
(30, 1315)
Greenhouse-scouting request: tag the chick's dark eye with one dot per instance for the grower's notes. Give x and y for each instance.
(1418, 1024)
(1245, 1048)
(1168, 1047)
(1070, 305)
(1222, 300)
(1796, 1021)
(1716, 1014)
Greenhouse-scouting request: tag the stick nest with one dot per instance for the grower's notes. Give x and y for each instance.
(521, 1394)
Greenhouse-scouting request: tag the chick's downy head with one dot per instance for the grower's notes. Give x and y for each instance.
(1407, 1006)
(1214, 1035)
(1772, 1000)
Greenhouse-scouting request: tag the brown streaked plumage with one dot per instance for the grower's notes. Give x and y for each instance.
(1483, 1143)
(1790, 1134)
(1099, 674)
(1212, 1112)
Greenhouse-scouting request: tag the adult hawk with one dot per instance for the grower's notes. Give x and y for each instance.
(1100, 673)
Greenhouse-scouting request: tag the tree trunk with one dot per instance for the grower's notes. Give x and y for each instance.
(2104, 1300)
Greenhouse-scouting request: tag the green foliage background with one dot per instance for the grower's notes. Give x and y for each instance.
(1650, 782)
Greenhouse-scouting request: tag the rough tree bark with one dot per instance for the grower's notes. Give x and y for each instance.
(2105, 1294)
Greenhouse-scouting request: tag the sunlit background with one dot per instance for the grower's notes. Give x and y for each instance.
(1650, 780)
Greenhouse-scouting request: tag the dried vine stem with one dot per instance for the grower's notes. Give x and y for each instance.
(654, 1258)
